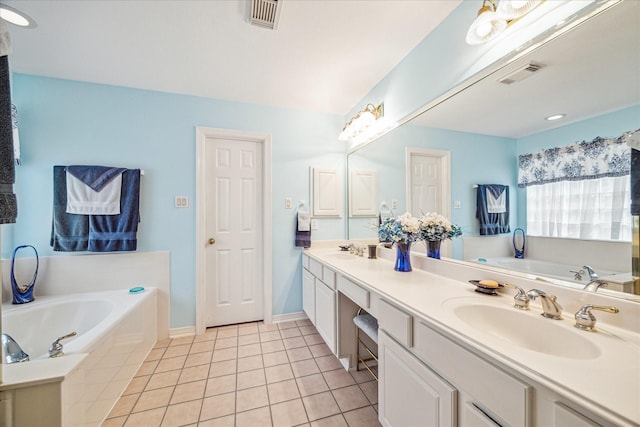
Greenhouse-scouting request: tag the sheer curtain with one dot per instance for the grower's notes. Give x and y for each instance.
(587, 209)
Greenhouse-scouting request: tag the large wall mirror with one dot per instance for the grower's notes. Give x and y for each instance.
(590, 73)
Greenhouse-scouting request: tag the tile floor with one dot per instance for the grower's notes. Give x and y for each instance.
(247, 375)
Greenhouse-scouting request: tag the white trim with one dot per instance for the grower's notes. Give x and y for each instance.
(288, 317)
(185, 331)
(202, 133)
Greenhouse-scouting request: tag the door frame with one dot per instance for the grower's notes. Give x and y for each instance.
(202, 133)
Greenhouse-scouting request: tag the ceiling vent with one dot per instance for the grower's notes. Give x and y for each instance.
(521, 73)
(265, 13)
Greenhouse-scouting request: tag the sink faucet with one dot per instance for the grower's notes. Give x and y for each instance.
(550, 307)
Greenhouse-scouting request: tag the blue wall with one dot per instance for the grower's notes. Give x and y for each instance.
(68, 122)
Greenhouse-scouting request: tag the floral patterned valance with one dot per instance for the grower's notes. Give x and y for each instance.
(582, 160)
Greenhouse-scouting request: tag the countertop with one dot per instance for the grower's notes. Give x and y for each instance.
(608, 384)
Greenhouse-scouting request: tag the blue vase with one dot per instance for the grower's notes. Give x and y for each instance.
(23, 294)
(403, 257)
(433, 248)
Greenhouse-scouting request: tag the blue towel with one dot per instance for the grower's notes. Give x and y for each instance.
(635, 182)
(69, 232)
(8, 201)
(492, 223)
(303, 238)
(112, 233)
(95, 177)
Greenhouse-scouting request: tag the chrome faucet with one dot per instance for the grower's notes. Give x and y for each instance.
(12, 351)
(550, 307)
(56, 348)
(592, 274)
(586, 321)
(520, 299)
(594, 280)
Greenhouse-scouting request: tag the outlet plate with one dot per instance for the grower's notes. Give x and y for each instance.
(181, 202)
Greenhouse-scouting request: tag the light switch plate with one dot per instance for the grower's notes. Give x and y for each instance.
(287, 203)
(314, 224)
(182, 202)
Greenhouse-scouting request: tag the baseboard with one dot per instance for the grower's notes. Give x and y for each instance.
(182, 332)
(288, 317)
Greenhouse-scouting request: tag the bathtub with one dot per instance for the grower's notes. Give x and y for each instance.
(115, 332)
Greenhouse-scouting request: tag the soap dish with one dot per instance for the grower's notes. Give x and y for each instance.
(487, 290)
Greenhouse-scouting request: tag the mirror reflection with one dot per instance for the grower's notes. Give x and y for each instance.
(436, 161)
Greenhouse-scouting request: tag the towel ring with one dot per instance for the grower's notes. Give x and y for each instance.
(302, 207)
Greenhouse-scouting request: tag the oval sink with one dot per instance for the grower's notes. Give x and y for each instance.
(345, 256)
(528, 330)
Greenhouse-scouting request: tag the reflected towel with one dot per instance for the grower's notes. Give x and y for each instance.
(492, 223)
(69, 232)
(83, 199)
(635, 182)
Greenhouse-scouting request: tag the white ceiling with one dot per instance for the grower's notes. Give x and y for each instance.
(325, 55)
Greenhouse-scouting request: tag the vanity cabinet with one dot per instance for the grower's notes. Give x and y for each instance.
(319, 299)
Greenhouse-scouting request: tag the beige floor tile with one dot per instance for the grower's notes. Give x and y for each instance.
(313, 339)
(182, 413)
(124, 405)
(224, 354)
(208, 335)
(188, 391)
(251, 398)
(171, 364)
(114, 422)
(202, 346)
(220, 385)
(228, 421)
(290, 333)
(163, 379)
(361, 376)
(248, 329)
(254, 418)
(147, 368)
(218, 406)
(294, 342)
(305, 367)
(328, 363)
(305, 322)
(271, 346)
(156, 354)
(270, 336)
(320, 405)
(363, 417)
(153, 399)
(278, 373)
(334, 421)
(194, 373)
(196, 359)
(320, 350)
(226, 342)
(370, 389)
(176, 350)
(312, 384)
(275, 358)
(182, 340)
(227, 333)
(290, 413)
(228, 327)
(162, 343)
(226, 367)
(349, 398)
(249, 339)
(287, 325)
(308, 330)
(283, 391)
(296, 354)
(250, 379)
(338, 378)
(151, 418)
(136, 385)
(267, 328)
(249, 350)
(250, 363)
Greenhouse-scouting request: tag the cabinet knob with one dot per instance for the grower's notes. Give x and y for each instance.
(212, 241)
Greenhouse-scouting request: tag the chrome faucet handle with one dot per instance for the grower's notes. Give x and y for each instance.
(577, 274)
(56, 348)
(520, 299)
(550, 307)
(586, 321)
(592, 274)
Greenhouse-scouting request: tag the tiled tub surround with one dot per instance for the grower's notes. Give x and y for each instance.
(605, 387)
(247, 375)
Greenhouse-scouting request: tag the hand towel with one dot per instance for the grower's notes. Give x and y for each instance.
(492, 223)
(303, 238)
(111, 233)
(635, 182)
(94, 190)
(8, 201)
(496, 198)
(69, 232)
(304, 221)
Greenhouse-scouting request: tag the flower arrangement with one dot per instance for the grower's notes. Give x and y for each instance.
(435, 227)
(403, 229)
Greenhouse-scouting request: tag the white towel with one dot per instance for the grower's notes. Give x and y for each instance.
(83, 200)
(304, 221)
(496, 204)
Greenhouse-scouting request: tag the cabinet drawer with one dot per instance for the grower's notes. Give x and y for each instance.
(315, 268)
(357, 294)
(329, 277)
(396, 323)
(495, 392)
(305, 261)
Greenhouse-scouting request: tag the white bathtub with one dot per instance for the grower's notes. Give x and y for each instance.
(115, 331)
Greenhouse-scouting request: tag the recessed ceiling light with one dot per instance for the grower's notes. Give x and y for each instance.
(16, 17)
(555, 117)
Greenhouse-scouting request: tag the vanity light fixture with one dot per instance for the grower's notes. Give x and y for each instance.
(493, 19)
(16, 17)
(555, 117)
(362, 122)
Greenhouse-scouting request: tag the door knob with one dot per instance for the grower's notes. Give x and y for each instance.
(212, 240)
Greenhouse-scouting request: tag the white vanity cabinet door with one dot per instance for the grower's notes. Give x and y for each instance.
(326, 314)
(564, 416)
(472, 416)
(309, 295)
(411, 394)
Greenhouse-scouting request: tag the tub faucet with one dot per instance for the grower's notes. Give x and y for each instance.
(550, 307)
(594, 280)
(11, 350)
(56, 348)
(592, 274)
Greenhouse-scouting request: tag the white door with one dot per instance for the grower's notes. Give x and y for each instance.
(233, 227)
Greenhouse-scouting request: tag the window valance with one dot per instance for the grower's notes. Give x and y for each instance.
(578, 161)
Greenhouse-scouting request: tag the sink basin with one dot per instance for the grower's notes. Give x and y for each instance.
(527, 329)
(345, 256)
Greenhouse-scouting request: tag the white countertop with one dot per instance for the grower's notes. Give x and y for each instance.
(607, 385)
